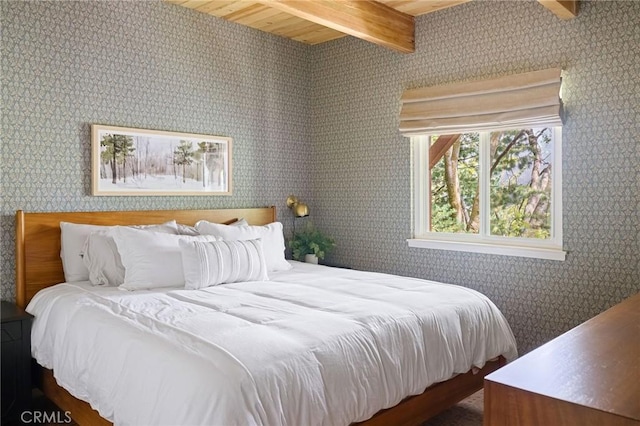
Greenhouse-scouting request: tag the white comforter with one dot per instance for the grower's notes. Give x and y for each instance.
(313, 346)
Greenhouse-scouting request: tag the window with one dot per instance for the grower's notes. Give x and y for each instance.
(494, 192)
(476, 186)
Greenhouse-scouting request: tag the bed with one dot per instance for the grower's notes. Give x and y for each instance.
(320, 289)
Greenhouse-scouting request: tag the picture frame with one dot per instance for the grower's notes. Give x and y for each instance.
(127, 161)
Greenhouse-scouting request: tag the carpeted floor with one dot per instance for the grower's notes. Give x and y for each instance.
(467, 412)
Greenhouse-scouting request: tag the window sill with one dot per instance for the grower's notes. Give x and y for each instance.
(489, 248)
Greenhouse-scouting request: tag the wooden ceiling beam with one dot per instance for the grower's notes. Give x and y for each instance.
(368, 20)
(564, 9)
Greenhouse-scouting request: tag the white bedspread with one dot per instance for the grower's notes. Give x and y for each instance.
(313, 346)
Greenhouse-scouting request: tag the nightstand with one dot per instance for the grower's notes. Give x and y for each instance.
(16, 360)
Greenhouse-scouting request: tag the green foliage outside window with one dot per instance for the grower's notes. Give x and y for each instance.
(454, 186)
(520, 184)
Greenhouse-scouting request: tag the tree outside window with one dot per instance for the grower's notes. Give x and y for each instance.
(489, 187)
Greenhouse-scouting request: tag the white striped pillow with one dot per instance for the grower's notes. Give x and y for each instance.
(211, 263)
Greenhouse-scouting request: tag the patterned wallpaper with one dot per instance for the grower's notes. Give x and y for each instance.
(149, 65)
(361, 179)
(321, 122)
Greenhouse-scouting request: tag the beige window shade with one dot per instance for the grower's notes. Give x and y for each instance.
(531, 99)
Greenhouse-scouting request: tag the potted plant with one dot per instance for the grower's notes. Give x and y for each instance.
(310, 244)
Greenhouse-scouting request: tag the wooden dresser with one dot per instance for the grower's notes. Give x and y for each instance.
(589, 376)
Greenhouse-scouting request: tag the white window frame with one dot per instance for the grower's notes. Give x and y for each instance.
(482, 242)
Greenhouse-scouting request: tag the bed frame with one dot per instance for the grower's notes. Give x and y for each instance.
(38, 266)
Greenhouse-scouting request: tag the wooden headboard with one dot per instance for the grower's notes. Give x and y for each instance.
(38, 263)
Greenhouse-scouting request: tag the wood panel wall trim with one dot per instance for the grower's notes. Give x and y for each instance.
(368, 20)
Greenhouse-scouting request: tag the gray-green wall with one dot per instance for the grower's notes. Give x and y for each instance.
(149, 65)
(362, 181)
(321, 122)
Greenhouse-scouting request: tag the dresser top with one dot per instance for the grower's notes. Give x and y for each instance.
(596, 364)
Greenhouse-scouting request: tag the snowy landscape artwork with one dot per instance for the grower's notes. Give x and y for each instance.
(129, 161)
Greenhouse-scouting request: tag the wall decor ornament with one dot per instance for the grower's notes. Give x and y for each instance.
(126, 161)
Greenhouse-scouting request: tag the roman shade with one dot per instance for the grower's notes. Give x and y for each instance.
(531, 99)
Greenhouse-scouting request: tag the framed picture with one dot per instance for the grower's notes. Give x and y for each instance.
(128, 161)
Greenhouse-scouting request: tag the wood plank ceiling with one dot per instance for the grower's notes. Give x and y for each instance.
(388, 23)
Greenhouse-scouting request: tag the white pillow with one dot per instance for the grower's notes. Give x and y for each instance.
(101, 257)
(72, 239)
(218, 262)
(191, 230)
(151, 259)
(271, 235)
(100, 254)
(187, 230)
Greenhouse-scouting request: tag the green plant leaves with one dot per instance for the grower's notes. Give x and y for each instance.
(310, 241)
